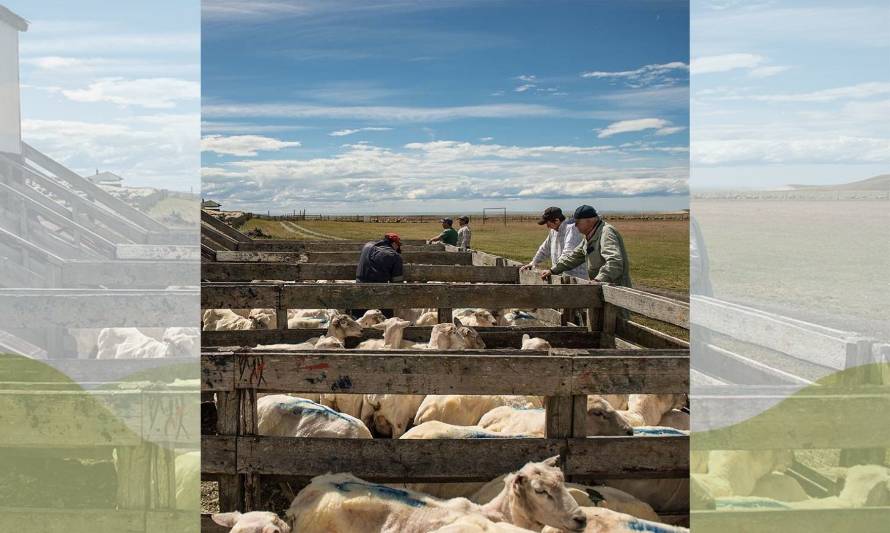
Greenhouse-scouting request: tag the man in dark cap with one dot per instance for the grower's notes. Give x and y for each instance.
(380, 262)
(448, 235)
(602, 249)
(562, 238)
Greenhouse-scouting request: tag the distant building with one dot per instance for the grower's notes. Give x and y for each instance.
(109, 179)
(210, 205)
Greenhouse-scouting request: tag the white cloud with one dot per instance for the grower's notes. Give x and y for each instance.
(243, 145)
(343, 133)
(99, 40)
(148, 150)
(152, 93)
(766, 72)
(384, 114)
(524, 87)
(661, 127)
(850, 92)
(782, 150)
(528, 78)
(725, 63)
(655, 74)
(486, 139)
(363, 173)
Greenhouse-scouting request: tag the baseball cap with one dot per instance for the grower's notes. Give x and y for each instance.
(463, 218)
(585, 211)
(551, 213)
(447, 221)
(393, 238)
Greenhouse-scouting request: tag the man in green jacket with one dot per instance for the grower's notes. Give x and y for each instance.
(448, 235)
(602, 248)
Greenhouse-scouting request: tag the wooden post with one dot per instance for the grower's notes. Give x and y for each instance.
(558, 417)
(579, 416)
(610, 325)
(445, 315)
(251, 482)
(228, 408)
(281, 318)
(859, 372)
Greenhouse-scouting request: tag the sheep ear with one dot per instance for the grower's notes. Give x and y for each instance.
(517, 481)
(226, 519)
(525, 338)
(457, 323)
(380, 325)
(553, 461)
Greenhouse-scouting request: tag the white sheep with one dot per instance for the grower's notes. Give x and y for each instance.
(864, 486)
(393, 335)
(535, 343)
(390, 415)
(341, 326)
(675, 418)
(227, 320)
(430, 318)
(647, 409)
(585, 496)
(371, 318)
(252, 522)
(281, 415)
(441, 430)
(187, 471)
(602, 520)
(475, 317)
(601, 420)
(130, 343)
(466, 410)
(309, 318)
(531, 498)
(521, 318)
(351, 404)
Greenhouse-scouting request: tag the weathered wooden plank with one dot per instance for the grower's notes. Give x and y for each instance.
(85, 419)
(439, 296)
(631, 371)
(66, 520)
(494, 337)
(456, 460)
(229, 256)
(220, 238)
(221, 227)
(428, 258)
(628, 457)
(832, 520)
(446, 373)
(217, 373)
(130, 273)
(25, 308)
(809, 342)
(558, 416)
(240, 295)
(270, 245)
(647, 304)
(249, 271)
(158, 252)
(647, 337)
(730, 366)
(823, 418)
(172, 417)
(218, 454)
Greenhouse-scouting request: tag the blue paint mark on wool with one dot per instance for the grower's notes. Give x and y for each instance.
(300, 407)
(750, 503)
(524, 315)
(484, 435)
(655, 431)
(383, 491)
(649, 527)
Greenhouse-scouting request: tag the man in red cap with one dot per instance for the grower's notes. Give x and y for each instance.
(380, 262)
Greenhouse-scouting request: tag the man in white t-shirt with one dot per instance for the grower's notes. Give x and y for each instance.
(561, 240)
(463, 233)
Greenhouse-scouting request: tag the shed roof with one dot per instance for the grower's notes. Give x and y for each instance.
(12, 19)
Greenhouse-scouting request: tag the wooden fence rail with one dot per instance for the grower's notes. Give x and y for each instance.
(249, 271)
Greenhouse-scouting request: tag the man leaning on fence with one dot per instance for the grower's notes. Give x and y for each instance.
(562, 238)
(602, 248)
(380, 262)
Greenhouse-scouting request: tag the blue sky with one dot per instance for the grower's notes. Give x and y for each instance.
(436, 106)
(114, 86)
(789, 91)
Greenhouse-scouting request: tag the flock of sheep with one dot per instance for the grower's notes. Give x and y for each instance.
(322, 506)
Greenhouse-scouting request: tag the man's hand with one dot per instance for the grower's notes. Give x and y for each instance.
(545, 275)
(529, 266)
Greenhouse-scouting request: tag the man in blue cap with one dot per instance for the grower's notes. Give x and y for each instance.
(602, 249)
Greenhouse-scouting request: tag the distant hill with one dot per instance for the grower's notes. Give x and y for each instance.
(877, 183)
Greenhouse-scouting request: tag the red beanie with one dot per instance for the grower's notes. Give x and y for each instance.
(394, 238)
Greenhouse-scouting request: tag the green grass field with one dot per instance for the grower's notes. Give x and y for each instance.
(658, 249)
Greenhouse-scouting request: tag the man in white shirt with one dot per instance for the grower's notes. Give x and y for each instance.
(561, 240)
(463, 233)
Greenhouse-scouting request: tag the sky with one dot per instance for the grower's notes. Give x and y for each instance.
(789, 92)
(405, 106)
(114, 86)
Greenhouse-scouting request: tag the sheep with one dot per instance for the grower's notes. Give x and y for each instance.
(341, 326)
(187, 471)
(441, 430)
(130, 343)
(601, 420)
(393, 333)
(252, 522)
(227, 320)
(675, 418)
(280, 415)
(430, 318)
(535, 343)
(454, 336)
(521, 318)
(186, 342)
(475, 317)
(596, 496)
(736, 472)
(617, 401)
(864, 486)
(479, 524)
(779, 486)
(531, 498)
(350, 404)
(412, 315)
(371, 318)
(647, 409)
(466, 410)
(390, 415)
(309, 318)
(601, 520)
